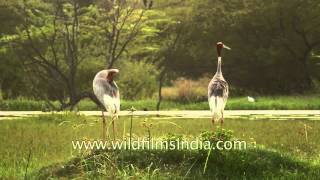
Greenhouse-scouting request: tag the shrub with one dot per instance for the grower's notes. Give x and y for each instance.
(172, 140)
(219, 134)
(137, 80)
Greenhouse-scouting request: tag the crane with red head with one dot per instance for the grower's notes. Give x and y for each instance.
(218, 89)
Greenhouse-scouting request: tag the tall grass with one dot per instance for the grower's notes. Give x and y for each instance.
(190, 90)
(186, 90)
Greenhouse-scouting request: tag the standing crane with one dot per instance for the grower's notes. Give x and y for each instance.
(107, 92)
(218, 89)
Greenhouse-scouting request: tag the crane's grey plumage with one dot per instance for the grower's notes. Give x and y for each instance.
(218, 89)
(107, 92)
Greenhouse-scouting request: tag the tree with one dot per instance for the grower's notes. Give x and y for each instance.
(11, 73)
(53, 44)
(119, 22)
(270, 43)
(166, 55)
(279, 38)
(58, 37)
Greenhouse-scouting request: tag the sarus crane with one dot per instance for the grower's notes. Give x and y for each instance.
(107, 92)
(218, 89)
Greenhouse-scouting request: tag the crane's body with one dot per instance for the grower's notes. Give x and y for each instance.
(107, 92)
(218, 90)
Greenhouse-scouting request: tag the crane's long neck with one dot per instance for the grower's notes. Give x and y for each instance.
(219, 72)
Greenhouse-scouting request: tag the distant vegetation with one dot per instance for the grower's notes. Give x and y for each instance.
(182, 94)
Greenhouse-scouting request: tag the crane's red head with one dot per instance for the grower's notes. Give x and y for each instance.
(220, 45)
(111, 73)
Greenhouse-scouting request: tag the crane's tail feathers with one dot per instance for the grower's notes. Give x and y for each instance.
(112, 105)
(216, 104)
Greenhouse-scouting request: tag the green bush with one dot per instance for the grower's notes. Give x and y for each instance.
(172, 140)
(137, 80)
(220, 134)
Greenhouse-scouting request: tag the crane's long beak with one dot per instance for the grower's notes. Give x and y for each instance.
(226, 47)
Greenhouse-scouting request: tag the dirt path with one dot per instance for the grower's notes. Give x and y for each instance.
(189, 114)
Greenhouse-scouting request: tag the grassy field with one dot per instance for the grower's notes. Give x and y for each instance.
(41, 147)
(238, 103)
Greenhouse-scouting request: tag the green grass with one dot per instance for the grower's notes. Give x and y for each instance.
(283, 150)
(257, 163)
(238, 103)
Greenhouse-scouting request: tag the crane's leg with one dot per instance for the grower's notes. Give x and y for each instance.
(114, 132)
(103, 127)
(222, 119)
(212, 121)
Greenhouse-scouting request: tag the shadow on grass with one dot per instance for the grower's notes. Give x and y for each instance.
(256, 163)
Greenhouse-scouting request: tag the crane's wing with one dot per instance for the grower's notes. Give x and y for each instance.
(218, 92)
(218, 88)
(108, 94)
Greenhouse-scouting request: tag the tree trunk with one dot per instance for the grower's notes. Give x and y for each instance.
(111, 62)
(160, 89)
(78, 98)
(307, 84)
(1, 97)
(303, 77)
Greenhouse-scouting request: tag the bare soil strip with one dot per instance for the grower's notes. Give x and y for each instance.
(252, 114)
